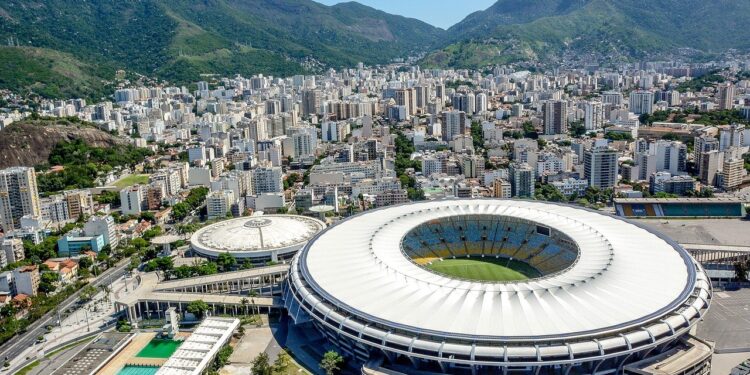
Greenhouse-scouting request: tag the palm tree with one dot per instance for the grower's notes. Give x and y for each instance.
(244, 303)
(106, 289)
(254, 294)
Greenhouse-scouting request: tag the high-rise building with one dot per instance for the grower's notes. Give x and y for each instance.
(132, 200)
(732, 173)
(267, 180)
(732, 136)
(80, 202)
(197, 154)
(26, 280)
(703, 144)
(725, 96)
(710, 166)
(593, 115)
(304, 141)
(555, 117)
(501, 188)
(407, 98)
(311, 102)
(19, 196)
(612, 97)
(334, 131)
(421, 97)
(646, 166)
(481, 103)
(673, 98)
(600, 167)
(471, 103)
(391, 197)
(219, 203)
(521, 179)
(459, 102)
(453, 124)
(102, 225)
(516, 110)
(670, 156)
(642, 102)
(13, 249)
(155, 194)
(366, 126)
(171, 179)
(440, 91)
(472, 166)
(432, 165)
(664, 182)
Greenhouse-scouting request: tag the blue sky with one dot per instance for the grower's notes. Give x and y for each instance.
(440, 13)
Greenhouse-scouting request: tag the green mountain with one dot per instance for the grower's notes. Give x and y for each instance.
(179, 40)
(614, 30)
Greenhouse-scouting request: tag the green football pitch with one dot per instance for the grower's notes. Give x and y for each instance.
(484, 269)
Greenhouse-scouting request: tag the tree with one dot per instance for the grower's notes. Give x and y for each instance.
(135, 262)
(180, 211)
(197, 308)
(281, 364)
(740, 270)
(48, 282)
(148, 216)
(222, 357)
(330, 362)
(108, 197)
(261, 365)
(165, 264)
(87, 293)
(123, 326)
(85, 262)
(226, 261)
(139, 243)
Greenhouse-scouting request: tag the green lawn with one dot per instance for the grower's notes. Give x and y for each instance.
(484, 269)
(131, 180)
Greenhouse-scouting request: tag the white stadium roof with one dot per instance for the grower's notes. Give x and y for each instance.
(256, 235)
(628, 285)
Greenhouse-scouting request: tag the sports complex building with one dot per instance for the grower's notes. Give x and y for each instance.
(257, 238)
(680, 207)
(489, 286)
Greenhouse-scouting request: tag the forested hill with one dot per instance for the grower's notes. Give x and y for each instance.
(180, 39)
(614, 30)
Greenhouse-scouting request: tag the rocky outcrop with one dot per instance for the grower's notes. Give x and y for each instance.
(29, 143)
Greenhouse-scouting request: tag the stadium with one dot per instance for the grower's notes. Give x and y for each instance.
(488, 285)
(258, 238)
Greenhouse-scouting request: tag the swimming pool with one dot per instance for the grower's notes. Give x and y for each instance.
(138, 370)
(158, 348)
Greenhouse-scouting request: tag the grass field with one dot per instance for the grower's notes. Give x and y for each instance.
(131, 180)
(484, 269)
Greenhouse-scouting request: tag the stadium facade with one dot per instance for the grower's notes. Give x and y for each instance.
(608, 293)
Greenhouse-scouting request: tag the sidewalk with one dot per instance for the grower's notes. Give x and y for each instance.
(75, 325)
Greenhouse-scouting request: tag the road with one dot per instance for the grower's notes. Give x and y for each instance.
(17, 345)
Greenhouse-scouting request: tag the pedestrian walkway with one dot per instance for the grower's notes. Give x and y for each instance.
(128, 353)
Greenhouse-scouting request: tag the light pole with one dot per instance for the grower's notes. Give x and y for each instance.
(88, 328)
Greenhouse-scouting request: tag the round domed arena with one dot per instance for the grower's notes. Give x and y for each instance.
(490, 285)
(256, 238)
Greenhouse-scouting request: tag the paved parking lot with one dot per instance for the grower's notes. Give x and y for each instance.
(703, 231)
(728, 321)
